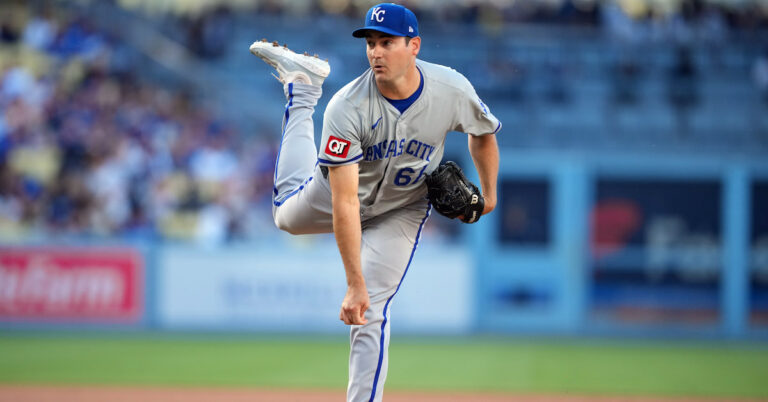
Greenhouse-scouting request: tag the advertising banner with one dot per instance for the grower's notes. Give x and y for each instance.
(289, 289)
(656, 251)
(45, 284)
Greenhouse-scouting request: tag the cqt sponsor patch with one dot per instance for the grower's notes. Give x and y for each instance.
(337, 147)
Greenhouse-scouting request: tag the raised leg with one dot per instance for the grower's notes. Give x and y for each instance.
(301, 201)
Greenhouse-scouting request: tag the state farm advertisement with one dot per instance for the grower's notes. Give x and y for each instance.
(71, 284)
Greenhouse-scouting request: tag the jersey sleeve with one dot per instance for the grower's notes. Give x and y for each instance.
(472, 115)
(340, 143)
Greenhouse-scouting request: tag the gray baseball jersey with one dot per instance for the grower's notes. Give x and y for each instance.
(395, 151)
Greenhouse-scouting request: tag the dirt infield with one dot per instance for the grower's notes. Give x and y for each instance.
(29, 393)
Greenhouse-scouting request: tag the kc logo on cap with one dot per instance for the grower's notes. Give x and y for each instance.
(388, 18)
(378, 13)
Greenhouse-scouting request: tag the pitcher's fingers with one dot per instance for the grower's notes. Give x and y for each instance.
(360, 316)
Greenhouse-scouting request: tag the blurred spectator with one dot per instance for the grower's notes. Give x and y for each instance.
(619, 25)
(40, 32)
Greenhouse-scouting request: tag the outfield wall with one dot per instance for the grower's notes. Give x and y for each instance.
(611, 244)
(284, 288)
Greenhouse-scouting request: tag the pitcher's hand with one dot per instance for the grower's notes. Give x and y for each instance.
(355, 303)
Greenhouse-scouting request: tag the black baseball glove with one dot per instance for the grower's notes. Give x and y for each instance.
(452, 194)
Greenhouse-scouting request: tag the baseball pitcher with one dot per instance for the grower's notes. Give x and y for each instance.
(383, 137)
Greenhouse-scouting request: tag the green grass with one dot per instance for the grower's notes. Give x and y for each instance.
(471, 364)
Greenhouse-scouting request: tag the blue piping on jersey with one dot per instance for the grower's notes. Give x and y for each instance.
(373, 127)
(340, 162)
(290, 103)
(292, 193)
(384, 323)
(497, 128)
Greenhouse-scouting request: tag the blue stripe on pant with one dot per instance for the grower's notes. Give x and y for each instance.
(386, 306)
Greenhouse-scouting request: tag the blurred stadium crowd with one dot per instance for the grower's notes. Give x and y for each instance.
(208, 22)
(89, 147)
(742, 15)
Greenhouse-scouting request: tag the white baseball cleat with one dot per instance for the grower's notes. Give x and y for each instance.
(290, 66)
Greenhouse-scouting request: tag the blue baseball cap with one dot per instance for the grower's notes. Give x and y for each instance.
(389, 18)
